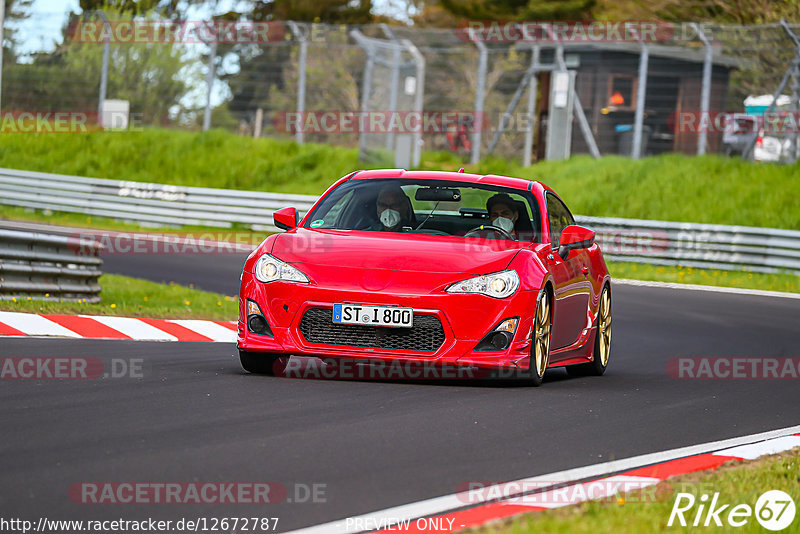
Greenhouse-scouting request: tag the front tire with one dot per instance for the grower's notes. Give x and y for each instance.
(259, 363)
(602, 341)
(540, 342)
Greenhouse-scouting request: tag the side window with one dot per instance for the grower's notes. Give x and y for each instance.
(559, 218)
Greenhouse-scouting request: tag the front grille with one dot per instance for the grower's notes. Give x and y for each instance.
(426, 335)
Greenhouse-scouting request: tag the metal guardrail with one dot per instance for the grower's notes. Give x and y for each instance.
(49, 266)
(658, 242)
(146, 203)
(709, 246)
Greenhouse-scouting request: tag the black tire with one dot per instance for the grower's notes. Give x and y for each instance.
(540, 342)
(259, 363)
(600, 359)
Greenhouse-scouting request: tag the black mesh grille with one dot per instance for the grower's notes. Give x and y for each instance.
(426, 335)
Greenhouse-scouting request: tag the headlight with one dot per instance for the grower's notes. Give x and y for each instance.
(498, 285)
(269, 268)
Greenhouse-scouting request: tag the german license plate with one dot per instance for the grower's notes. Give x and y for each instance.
(373, 315)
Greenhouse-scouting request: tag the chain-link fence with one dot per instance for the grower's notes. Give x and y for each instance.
(474, 90)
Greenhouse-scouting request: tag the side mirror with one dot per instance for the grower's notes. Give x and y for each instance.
(575, 237)
(286, 218)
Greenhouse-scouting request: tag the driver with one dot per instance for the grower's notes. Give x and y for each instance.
(393, 208)
(503, 213)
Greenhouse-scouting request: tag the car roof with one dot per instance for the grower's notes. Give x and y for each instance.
(490, 179)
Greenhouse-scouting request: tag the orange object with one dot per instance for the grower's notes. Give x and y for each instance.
(617, 99)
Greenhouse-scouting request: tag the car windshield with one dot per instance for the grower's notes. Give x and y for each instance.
(430, 207)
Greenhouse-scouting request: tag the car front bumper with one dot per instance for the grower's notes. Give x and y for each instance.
(465, 320)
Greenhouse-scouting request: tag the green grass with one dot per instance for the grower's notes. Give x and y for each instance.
(785, 282)
(673, 187)
(208, 159)
(132, 297)
(649, 510)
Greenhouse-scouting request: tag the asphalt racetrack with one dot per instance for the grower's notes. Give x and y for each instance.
(195, 415)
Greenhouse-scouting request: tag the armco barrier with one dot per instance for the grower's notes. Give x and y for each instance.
(48, 266)
(148, 203)
(659, 242)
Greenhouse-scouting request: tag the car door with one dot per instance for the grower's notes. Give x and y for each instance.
(572, 286)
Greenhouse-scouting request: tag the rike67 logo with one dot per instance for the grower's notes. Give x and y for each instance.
(774, 510)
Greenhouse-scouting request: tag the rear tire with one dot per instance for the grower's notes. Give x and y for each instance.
(602, 341)
(259, 363)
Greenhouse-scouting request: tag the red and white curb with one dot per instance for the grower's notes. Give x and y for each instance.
(451, 513)
(108, 327)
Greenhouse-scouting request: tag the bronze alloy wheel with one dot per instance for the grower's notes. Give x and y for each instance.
(540, 342)
(604, 328)
(602, 340)
(542, 335)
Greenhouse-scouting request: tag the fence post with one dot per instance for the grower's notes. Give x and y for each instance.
(530, 111)
(395, 81)
(638, 121)
(419, 95)
(795, 89)
(479, 96)
(103, 69)
(2, 25)
(366, 87)
(212, 64)
(302, 35)
(705, 94)
(259, 123)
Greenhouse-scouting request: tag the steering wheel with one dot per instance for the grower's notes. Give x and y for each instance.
(478, 229)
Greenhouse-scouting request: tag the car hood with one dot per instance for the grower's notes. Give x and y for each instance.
(396, 252)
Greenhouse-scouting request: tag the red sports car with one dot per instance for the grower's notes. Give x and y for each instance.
(429, 268)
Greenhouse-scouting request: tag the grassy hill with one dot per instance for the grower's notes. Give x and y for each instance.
(673, 187)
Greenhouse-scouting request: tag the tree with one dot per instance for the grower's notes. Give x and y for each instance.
(15, 11)
(520, 9)
(152, 76)
(328, 11)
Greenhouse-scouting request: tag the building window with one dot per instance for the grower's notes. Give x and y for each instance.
(621, 92)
